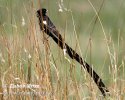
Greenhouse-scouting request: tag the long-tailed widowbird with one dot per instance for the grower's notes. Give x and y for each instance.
(49, 28)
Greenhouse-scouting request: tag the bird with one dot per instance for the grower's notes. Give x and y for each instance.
(50, 29)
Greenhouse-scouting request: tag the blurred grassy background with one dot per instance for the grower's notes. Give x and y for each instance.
(18, 19)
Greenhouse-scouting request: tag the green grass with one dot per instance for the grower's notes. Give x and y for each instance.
(26, 55)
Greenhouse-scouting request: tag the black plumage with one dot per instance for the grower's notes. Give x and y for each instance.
(49, 23)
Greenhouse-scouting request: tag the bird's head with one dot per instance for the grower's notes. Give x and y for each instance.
(42, 12)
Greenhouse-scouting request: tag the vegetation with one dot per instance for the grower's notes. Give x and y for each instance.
(95, 29)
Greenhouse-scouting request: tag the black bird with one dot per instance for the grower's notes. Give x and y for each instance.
(50, 29)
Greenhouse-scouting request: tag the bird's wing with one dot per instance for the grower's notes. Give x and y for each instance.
(48, 22)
